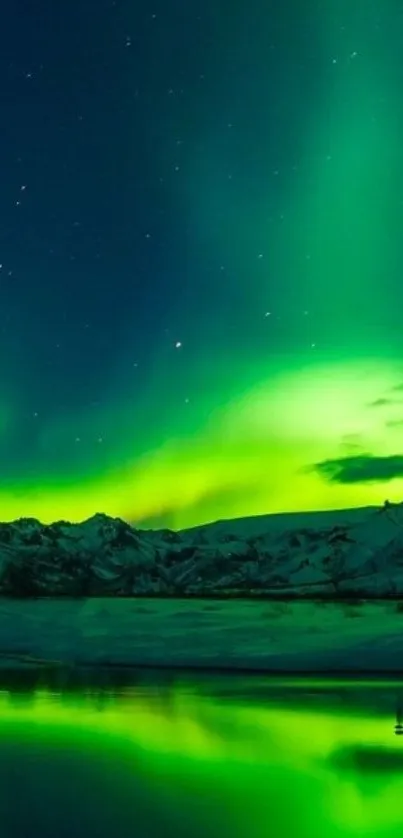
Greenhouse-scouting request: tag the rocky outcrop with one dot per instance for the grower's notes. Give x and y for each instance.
(357, 553)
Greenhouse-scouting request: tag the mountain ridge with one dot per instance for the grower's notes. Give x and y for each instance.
(341, 553)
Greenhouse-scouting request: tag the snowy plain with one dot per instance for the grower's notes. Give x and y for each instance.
(275, 636)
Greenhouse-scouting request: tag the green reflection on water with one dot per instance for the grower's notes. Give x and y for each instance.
(239, 757)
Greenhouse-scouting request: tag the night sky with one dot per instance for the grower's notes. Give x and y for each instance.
(201, 258)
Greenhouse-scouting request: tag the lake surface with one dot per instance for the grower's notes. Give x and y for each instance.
(94, 756)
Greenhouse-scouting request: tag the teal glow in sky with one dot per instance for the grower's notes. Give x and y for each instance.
(201, 260)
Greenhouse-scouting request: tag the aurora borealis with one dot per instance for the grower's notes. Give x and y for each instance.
(201, 259)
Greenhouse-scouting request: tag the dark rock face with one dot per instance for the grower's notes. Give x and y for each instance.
(360, 556)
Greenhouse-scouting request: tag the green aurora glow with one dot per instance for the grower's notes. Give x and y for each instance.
(261, 426)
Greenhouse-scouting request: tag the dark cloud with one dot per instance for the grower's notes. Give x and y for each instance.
(388, 401)
(352, 439)
(220, 499)
(351, 442)
(382, 402)
(163, 520)
(363, 468)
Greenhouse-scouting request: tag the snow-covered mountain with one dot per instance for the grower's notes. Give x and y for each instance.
(356, 552)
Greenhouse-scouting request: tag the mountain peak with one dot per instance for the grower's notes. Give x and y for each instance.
(352, 552)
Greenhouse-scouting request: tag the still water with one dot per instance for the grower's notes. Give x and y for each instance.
(239, 757)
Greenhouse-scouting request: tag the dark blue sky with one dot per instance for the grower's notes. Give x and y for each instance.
(167, 170)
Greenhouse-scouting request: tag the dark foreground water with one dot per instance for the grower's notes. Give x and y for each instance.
(238, 757)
